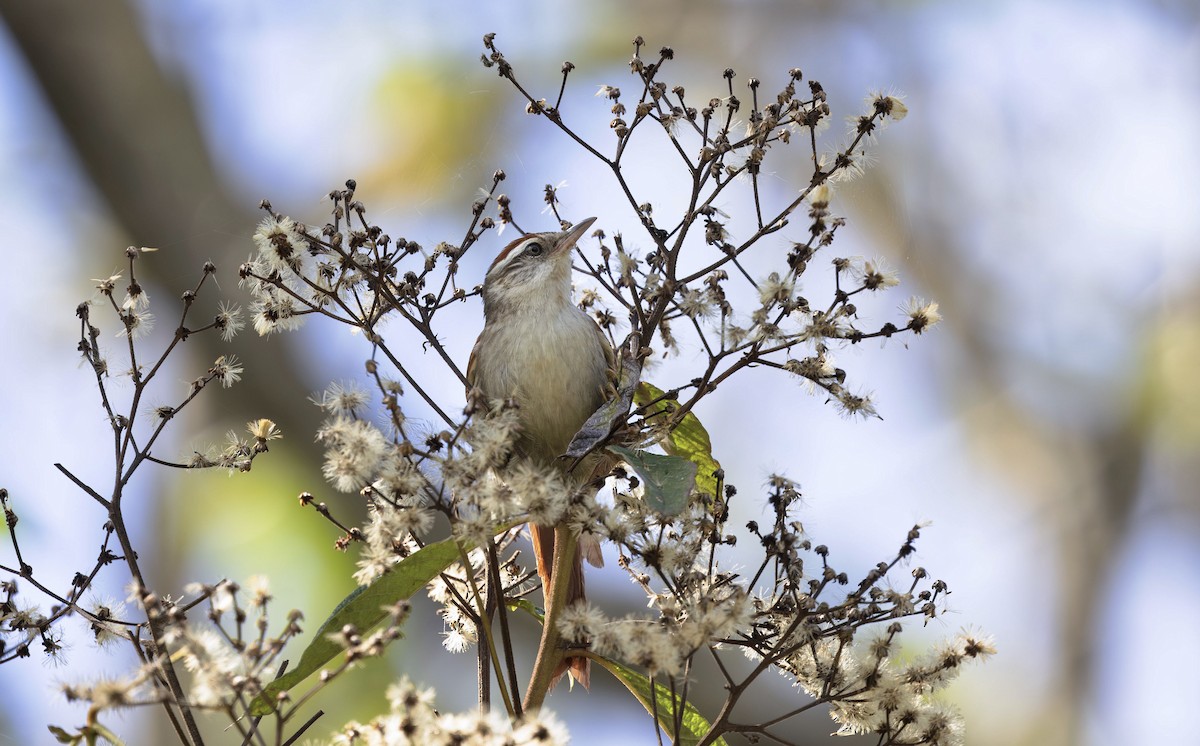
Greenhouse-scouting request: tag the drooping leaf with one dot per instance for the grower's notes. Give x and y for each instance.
(365, 607)
(688, 439)
(611, 414)
(661, 703)
(667, 480)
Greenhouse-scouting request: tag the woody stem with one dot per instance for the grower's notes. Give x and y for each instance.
(550, 650)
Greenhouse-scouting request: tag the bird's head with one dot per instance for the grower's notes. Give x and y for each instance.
(533, 272)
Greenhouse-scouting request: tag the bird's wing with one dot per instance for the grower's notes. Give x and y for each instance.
(471, 370)
(589, 548)
(608, 390)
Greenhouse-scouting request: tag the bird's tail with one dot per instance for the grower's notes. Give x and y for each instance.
(543, 549)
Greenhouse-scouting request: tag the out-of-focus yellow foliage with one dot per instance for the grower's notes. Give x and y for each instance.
(252, 523)
(432, 123)
(235, 526)
(1170, 395)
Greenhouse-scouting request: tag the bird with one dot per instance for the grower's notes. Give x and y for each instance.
(541, 350)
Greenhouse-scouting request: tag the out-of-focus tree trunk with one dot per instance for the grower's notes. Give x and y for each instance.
(1086, 481)
(138, 141)
(137, 138)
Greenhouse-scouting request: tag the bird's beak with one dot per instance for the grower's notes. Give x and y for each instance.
(565, 240)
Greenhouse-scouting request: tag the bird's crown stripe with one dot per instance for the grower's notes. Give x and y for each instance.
(503, 256)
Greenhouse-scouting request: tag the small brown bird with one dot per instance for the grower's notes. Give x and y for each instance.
(538, 348)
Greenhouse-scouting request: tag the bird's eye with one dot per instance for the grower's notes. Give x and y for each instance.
(535, 249)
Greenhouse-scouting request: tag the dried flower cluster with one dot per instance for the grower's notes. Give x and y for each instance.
(719, 153)
(183, 667)
(412, 720)
(446, 500)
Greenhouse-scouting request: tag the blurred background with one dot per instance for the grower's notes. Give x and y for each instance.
(1043, 189)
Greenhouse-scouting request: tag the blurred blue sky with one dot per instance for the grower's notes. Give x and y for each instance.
(1044, 189)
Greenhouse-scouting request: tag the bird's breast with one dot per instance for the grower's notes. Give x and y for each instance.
(555, 369)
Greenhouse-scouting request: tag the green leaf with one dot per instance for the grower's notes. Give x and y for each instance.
(364, 608)
(688, 439)
(525, 605)
(668, 480)
(693, 726)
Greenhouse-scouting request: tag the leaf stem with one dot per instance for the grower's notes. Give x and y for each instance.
(485, 623)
